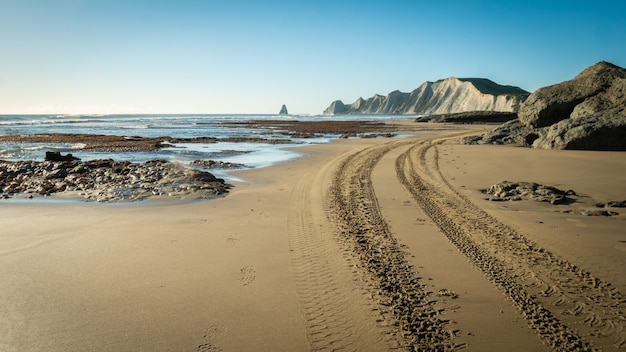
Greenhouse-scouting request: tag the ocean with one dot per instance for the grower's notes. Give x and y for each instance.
(252, 155)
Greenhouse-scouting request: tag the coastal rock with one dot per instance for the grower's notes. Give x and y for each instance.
(506, 191)
(599, 88)
(56, 156)
(511, 132)
(216, 164)
(587, 112)
(283, 110)
(599, 132)
(106, 180)
(445, 96)
(470, 117)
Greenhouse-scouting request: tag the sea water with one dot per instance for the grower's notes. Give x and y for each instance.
(252, 155)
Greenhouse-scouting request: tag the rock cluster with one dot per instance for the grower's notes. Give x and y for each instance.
(106, 180)
(470, 117)
(514, 191)
(587, 112)
(506, 190)
(215, 164)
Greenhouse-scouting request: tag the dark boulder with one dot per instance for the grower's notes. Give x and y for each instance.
(598, 88)
(56, 156)
(587, 112)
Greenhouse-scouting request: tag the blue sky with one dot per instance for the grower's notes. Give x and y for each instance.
(237, 56)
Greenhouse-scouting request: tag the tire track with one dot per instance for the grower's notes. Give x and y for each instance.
(405, 304)
(337, 312)
(567, 306)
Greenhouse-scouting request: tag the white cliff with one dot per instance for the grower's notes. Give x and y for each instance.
(445, 96)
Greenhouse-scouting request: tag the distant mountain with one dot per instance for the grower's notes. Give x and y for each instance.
(450, 95)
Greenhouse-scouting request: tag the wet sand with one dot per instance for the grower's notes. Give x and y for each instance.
(359, 245)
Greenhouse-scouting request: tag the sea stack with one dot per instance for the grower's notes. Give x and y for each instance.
(283, 110)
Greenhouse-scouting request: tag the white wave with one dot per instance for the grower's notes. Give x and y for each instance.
(133, 127)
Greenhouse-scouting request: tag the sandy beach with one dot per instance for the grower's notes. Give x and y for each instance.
(360, 245)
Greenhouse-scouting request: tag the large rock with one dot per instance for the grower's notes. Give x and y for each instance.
(511, 132)
(451, 95)
(587, 112)
(601, 132)
(599, 88)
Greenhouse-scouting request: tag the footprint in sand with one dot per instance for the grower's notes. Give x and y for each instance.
(207, 347)
(232, 239)
(247, 275)
(211, 332)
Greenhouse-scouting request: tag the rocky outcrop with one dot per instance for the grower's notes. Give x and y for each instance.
(57, 156)
(470, 117)
(106, 180)
(283, 110)
(217, 164)
(451, 95)
(506, 190)
(587, 112)
(600, 88)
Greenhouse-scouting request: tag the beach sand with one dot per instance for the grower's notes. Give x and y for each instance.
(363, 245)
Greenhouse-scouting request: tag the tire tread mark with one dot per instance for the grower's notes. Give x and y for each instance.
(515, 264)
(405, 304)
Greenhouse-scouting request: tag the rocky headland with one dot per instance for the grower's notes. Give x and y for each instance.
(587, 112)
(450, 95)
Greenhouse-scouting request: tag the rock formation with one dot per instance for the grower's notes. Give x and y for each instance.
(283, 110)
(106, 180)
(470, 117)
(451, 95)
(57, 156)
(505, 190)
(587, 112)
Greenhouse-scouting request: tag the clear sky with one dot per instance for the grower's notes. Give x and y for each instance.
(252, 56)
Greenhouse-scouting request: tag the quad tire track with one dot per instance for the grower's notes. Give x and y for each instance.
(569, 308)
(405, 303)
(338, 313)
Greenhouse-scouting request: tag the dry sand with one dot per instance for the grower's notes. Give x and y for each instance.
(363, 245)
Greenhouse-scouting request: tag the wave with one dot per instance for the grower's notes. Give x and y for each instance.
(33, 147)
(48, 122)
(133, 127)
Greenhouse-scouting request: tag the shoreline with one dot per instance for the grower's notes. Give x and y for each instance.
(264, 268)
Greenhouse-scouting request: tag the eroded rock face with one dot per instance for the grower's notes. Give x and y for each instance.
(587, 112)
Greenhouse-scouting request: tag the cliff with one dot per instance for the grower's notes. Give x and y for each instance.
(450, 95)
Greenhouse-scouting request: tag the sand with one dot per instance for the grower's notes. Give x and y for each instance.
(363, 245)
